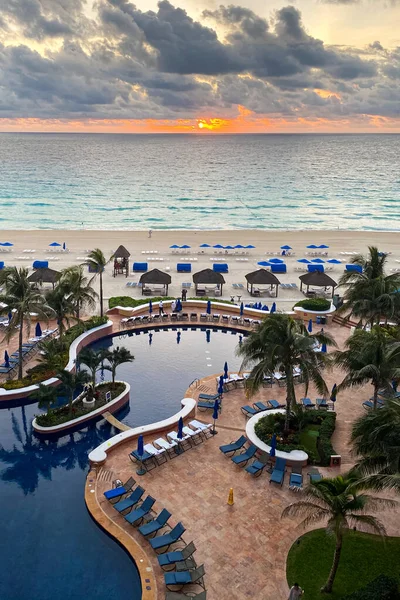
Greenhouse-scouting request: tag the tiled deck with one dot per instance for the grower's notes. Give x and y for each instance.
(243, 547)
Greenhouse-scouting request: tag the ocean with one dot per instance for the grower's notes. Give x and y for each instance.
(74, 181)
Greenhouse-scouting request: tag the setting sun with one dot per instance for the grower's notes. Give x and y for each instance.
(201, 125)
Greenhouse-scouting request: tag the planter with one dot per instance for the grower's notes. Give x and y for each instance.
(89, 403)
(110, 407)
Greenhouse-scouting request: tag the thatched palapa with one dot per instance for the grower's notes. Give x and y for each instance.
(44, 275)
(317, 279)
(261, 277)
(155, 277)
(208, 277)
(121, 261)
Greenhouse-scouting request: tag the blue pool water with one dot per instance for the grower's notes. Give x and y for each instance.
(50, 546)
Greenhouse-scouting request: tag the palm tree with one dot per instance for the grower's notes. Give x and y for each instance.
(340, 501)
(369, 356)
(376, 440)
(97, 263)
(371, 294)
(92, 359)
(46, 395)
(20, 297)
(284, 343)
(70, 382)
(117, 357)
(77, 285)
(51, 356)
(61, 303)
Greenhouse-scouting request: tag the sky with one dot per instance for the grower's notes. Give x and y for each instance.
(200, 66)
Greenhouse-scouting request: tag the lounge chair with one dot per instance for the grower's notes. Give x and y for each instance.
(116, 493)
(296, 478)
(256, 468)
(213, 397)
(156, 524)
(180, 578)
(146, 459)
(243, 458)
(196, 435)
(260, 406)
(139, 513)
(234, 446)
(314, 475)
(202, 405)
(131, 501)
(173, 436)
(205, 428)
(179, 596)
(274, 404)
(159, 455)
(170, 447)
(278, 472)
(306, 402)
(170, 558)
(321, 403)
(249, 411)
(168, 539)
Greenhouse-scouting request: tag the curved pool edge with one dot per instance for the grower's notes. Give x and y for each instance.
(135, 551)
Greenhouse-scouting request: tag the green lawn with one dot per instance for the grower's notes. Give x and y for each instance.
(364, 557)
(308, 438)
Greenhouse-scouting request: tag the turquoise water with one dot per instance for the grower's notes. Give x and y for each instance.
(70, 181)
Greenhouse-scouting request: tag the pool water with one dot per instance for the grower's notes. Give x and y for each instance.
(50, 547)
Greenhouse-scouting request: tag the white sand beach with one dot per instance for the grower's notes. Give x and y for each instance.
(78, 242)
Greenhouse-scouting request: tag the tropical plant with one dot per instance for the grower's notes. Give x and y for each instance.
(370, 295)
(282, 343)
(115, 358)
(46, 395)
(97, 262)
(63, 307)
(92, 359)
(341, 502)
(52, 354)
(369, 356)
(70, 382)
(20, 297)
(376, 441)
(77, 285)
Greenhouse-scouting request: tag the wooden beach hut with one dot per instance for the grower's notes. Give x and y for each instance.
(209, 281)
(317, 279)
(44, 275)
(261, 277)
(155, 281)
(121, 261)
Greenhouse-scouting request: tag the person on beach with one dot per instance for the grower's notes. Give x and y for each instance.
(150, 232)
(161, 308)
(173, 305)
(295, 592)
(184, 294)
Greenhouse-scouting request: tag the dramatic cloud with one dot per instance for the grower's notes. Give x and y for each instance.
(124, 63)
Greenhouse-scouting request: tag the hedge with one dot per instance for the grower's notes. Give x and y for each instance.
(316, 304)
(324, 443)
(381, 588)
(128, 302)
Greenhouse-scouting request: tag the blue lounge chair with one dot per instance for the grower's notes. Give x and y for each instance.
(212, 397)
(260, 406)
(314, 476)
(139, 513)
(207, 405)
(274, 404)
(120, 491)
(249, 411)
(130, 501)
(156, 524)
(296, 478)
(256, 468)
(278, 473)
(146, 459)
(243, 459)
(178, 579)
(168, 539)
(170, 558)
(234, 446)
(321, 403)
(306, 402)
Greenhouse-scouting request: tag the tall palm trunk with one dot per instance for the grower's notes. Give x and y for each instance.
(20, 337)
(101, 294)
(376, 390)
(336, 558)
(290, 394)
(71, 399)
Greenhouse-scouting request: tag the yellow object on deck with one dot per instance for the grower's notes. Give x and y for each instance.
(114, 422)
(230, 497)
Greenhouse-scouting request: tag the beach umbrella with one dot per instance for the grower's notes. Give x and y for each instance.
(215, 415)
(239, 246)
(174, 246)
(150, 307)
(7, 244)
(218, 246)
(178, 306)
(38, 330)
(205, 246)
(208, 336)
(150, 338)
(334, 261)
(286, 247)
(250, 246)
(304, 260)
(265, 307)
(10, 316)
(264, 263)
(241, 309)
(220, 390)
(228, 247)
(6, 360)
(64, 246)
(310, 326)
(272, 452)
(318, 260)
(180, 428)
(334, 393)
(178, 337)
(54, 244)
(185, 246)
(394, 385)
(140, 452)
(323, 348)
(226, 374)
(312, 246)
(273, 308)
(323, 246)
(276, 261)
(208, 309)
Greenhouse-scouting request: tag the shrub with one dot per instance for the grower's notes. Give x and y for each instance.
(324, 443)
(127, 301)
(381, 588)
(316, 304)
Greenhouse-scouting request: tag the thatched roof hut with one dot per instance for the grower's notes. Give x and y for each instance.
(261, 277)
(208, 277)
(44, 275)
(317, 279)
(155, 277)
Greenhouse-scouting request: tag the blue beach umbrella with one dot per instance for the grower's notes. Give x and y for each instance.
(10, 316)
(334, 393)
(150, 307)
(265, 307)
(215, 415)
(323, 348)
(174, 246)
(218, 246)
(7, 244)
(185, 246)
(64, 246)
(220, 390)
(226, 373)
(241, 309)
(394, 385)
(54, 244)
(304, 260)
(140, 452)
(208, 309)
(228, 247)
(334, 261)
(276, 261)
(250, 246)
(205, 246)
(6, 360)
(286, 247)
(318, 260)
(272, 452)
(323, 246)
(239, 246)
(312, 246)
(178, 307)
(180, 428)
(309, 327)
(273, 308)
(264, 263)
(38, 330)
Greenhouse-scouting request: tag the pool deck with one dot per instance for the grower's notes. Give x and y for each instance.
(243, 547)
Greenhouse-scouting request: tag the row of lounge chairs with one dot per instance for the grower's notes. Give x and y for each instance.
(28, 350)
(179, 565)
(250, 411)
(161, 449)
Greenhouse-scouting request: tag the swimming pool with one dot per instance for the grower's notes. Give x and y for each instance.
(50, 546)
